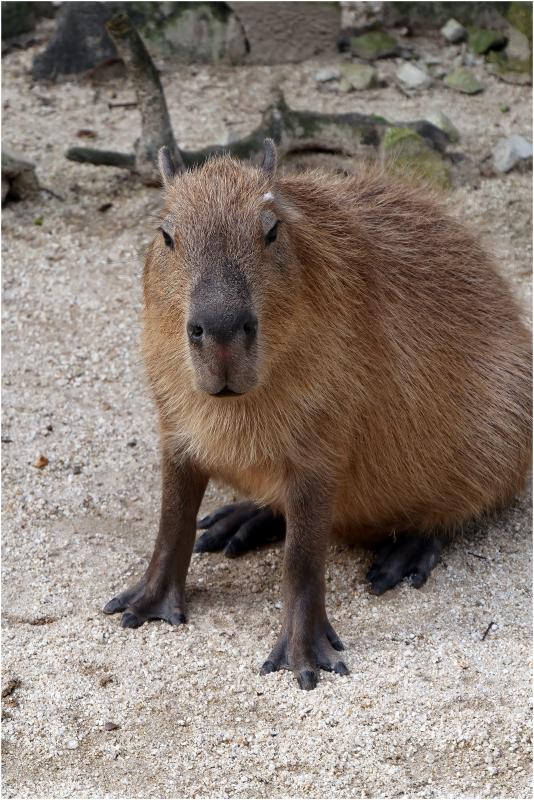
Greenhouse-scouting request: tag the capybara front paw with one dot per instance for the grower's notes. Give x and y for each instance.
(306, 656)
(143, 602)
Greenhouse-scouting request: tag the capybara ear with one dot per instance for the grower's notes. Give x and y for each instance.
(166, 166)
(268, 164)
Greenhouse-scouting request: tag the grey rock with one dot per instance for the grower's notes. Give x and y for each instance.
(518, 46)
(326, 74)
(465, 59)
(511, 152)
(331, 87)
(407, 52)
(203, 32)
(431, 60)
(441, 121)
(413, 77)
(19, 181)
(471, 60)
(184, 32)
(453, 31)
(344, 86)
(438, 72)
(359, 76)
(79, 43)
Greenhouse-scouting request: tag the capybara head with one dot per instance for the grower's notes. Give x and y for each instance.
(224, 274)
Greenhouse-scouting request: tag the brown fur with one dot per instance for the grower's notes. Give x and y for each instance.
(393, 360)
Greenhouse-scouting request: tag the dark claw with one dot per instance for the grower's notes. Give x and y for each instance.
(417, 579)
(268, 667)
(177, 619)
(234, 548)
(130, 620)
(340, 668)
(211, 519)
(238, 528)
(333, 638)
(114, 605)
(409, 555)
(384, 582)
(337, 644)
(307, 679)
(203, 544)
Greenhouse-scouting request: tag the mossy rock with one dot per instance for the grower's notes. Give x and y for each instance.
(373, 45)
(359, 76)
(406, 151)
(204, 32)
(510, 70)
(481, 40)
(520, 16)
(463, 80)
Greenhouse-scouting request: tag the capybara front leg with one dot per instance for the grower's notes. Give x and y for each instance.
(160, 592)
(308, 642)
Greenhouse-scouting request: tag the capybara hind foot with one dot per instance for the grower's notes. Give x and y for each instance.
(143, 602)
(238, 528)
(306, 655)
(407, 555)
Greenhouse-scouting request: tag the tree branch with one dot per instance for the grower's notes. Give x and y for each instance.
(350, 134)
(156, 128)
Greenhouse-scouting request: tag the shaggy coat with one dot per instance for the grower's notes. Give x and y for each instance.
(392, 358)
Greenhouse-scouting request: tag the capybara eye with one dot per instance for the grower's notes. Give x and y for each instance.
(167, 238)
(270, 236)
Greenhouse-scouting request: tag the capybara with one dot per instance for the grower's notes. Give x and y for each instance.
(342, 352)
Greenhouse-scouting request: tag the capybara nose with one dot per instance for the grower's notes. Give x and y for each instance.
(223, 327)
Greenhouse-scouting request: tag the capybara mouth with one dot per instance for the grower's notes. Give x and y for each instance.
(226, 392)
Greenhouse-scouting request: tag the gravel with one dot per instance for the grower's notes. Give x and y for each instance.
(431, 708)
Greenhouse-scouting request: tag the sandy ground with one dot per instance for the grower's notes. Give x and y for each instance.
(432, 707)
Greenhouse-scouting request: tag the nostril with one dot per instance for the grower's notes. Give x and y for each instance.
(195, 332)
(250, 328)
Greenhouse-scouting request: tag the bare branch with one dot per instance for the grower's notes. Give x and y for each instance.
(156, 128)
(292, 131)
